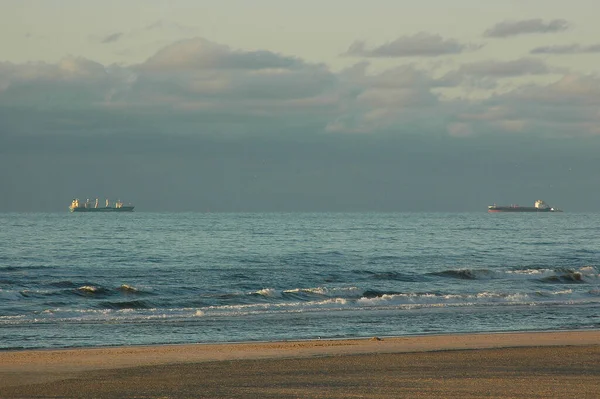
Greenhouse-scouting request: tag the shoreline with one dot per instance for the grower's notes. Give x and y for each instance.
(24, 372)
(301, 340)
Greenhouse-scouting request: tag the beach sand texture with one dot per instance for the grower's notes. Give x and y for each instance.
(511, 365)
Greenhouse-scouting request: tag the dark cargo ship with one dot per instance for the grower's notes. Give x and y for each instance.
(538, 206)
(88, 206)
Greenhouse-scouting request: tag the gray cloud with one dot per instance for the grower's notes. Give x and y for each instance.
(501, 69)
(528, 26)
(485, 74)
(112, 38)
(566, 49)
(565, 108)
(418, 45)
(213, 89)
(571, 89)
(200, 53)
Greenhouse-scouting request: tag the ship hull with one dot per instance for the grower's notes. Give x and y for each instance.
(518, 209)
(109, 209)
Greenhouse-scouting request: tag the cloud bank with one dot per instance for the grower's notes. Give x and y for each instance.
(195, 86)
(566, 49)
(528, 26)
(418, 45)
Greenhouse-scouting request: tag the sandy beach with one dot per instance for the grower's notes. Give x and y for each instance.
(527, 365)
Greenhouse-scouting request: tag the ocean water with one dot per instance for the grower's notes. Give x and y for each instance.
(85, 280)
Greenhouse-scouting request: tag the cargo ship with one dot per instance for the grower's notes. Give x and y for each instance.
(89, 206)
(538, 206)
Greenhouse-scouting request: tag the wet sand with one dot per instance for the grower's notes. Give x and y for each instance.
(525, 365)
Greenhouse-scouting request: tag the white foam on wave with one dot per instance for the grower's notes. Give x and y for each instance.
(429, 299)
(587, 271)
(332, 301)
(128, 288)
(385, 298)
(259, 308)
(88, 288)
(317, 290)
(562, 292)
(487, 295)
(15, 319)
(127, 315)
(269, 292)
(530, 273)
(517, 297)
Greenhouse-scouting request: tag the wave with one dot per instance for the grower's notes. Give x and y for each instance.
(10, 295)
(377, 294)
(305, 294)
(399, 300)
(266, 292)
(126, 312)
(585, 274)
(329, 304)
(63, 284)
(40, 293)
(317, 290)
(582, 274)
(395, 276)
(564, 278)
(69, 289)
(548, 275)
(425, 299)
(20, 268)
(466, 274)
(142, 311)
(129, 289)
(91, 290)
(391, 275)
(125, 305)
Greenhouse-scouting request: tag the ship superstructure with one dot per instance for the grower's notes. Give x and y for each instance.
(538, 206)
(93, 206)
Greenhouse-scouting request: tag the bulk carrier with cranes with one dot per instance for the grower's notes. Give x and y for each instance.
(89, 206)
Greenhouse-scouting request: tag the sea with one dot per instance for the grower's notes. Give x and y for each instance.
(140, 278)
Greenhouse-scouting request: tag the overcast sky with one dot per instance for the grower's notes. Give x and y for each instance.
(313, 105)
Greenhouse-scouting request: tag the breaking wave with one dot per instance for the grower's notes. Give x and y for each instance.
(558, 275)
(92, 290)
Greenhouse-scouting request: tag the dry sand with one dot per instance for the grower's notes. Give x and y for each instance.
(510, 365)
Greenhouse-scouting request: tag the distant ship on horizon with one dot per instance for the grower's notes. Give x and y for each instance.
(89, 206)
(538, 206)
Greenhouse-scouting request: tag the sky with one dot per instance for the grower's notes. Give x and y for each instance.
(289, 106)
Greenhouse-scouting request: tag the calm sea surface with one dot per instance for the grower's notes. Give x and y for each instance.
(72, 280)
